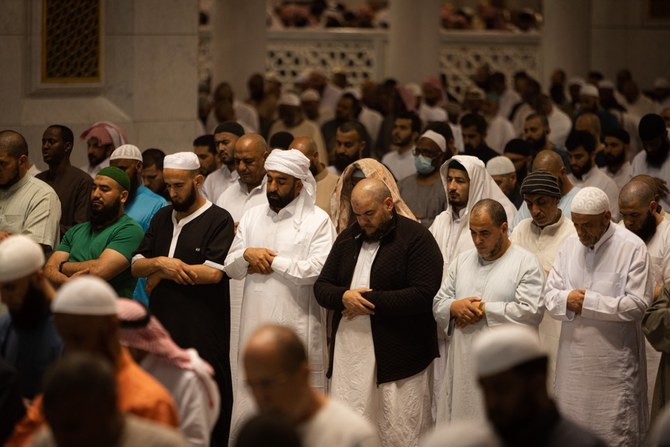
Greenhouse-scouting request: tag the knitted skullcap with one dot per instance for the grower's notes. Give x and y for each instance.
(118, 175)
(542, 183)
(126, 152)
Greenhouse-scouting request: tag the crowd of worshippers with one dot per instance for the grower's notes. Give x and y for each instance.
(407, 279)
(486, 15)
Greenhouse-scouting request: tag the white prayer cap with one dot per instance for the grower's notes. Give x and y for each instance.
(461, 433)
(86, 295)
(589, 90)
(185, 161)
(500, 165)
(353, 91)
(310, 95)
(436, 114)
(20, 256)
(590, 201)
(414, 88)
(577, 81)
(289, 99)
(272, 76)
(126, 152)
(504, 347)
(294, 163)
(436, 138)
(661, 83)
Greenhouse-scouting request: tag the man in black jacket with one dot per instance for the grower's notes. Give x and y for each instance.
(379, 280)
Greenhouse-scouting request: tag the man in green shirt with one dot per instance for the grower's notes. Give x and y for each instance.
(104, 245)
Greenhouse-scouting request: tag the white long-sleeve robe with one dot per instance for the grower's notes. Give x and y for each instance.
(600, 369)
(302, 238)
(511, 287)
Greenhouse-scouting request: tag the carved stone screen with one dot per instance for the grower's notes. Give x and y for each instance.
(71, 41)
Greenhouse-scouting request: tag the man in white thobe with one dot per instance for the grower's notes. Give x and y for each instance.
(226, 135)
(543, 234)
(497, 282)
(638, 207)
(599, 287)
(280, 248)
(466, 181)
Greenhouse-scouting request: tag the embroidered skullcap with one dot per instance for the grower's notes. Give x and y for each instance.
(116, 174)
(589, 90)
(230, 127)
(185, 161)
(542, 183)
(310, 95)
(86, 295)
(289, 99)
(606, 84)
(590, 201)
(504, 347)
(500, 165)
(461, 433)
(126, 152)
(651, 126)
(106, 133)
(20, 256)
(435, 138)
(518, 146)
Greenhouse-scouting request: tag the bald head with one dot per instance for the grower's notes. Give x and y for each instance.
(371, 189)
(590, 123)
(306, 145)
(250, 153)
(548, 160)
(277, 342)
(636, 193)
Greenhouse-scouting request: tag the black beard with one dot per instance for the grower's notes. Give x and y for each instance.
(658, 158)
(186, 204)
(33, 310)
(614, 161)
(277, 202)
(344, 160)
(377, 235)
(583, 170)
(15, 178)
(537, 145)
(648, 229)
(312, 169)
(105, 215)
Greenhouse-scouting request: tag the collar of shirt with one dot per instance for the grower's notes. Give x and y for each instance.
(548, 230)
(197, 213)
(284, 213)
(255, 190)
(606, 236)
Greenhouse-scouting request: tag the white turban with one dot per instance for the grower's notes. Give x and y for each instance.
(86, 295)
(590, 201)
(185, 161)
(504, 347)
(294, 163)
(435, 138)
(20, 256)
(126, 152)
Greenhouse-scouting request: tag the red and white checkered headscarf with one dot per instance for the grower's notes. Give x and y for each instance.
(143, 331)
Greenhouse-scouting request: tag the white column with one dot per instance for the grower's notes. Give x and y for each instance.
(238, 42)
(566, 37)
(414, 40)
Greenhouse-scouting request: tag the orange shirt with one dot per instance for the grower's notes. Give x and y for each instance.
(138, 394)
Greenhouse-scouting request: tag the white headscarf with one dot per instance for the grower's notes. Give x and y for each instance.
(294, 163)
